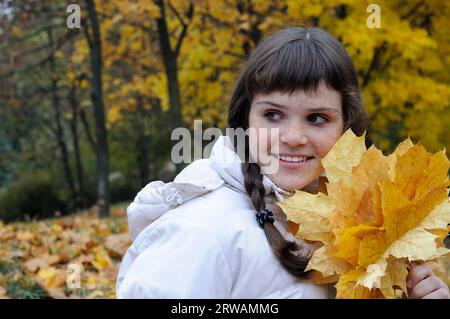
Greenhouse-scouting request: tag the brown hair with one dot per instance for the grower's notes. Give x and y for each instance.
(289, 60)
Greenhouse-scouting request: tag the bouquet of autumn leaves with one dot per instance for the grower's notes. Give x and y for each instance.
(380, 214)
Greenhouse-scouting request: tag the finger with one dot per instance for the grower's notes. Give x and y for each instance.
(441, 293)
(413, 264)
(425, 287)
(418, 273)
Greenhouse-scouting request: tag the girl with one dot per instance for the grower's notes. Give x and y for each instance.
(215, 232)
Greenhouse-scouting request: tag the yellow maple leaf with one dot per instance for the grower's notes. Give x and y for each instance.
(347, 287)
(379, 213)
(346, 154)
(51, 277)
(25, 235)
(313, 217)
(102, 258)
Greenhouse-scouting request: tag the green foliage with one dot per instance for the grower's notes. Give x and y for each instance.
(32, 195)
(25, 288)
(7, 268)
(20, 285)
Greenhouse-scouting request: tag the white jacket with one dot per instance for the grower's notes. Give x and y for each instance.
(197, 237)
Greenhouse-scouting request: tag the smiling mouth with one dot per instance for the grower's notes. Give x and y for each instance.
(293, 159)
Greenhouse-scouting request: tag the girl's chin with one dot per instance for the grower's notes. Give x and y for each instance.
(289, 186)
(291, 182)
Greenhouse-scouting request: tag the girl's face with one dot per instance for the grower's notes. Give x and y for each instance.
(309, 124)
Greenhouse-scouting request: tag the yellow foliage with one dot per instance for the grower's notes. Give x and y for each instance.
(59, 54)
(403, 66)
(379, 213)
(114, 114)
(102, 258)
(84, 84)
(16, 31)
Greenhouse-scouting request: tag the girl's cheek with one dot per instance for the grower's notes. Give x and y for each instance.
(324, 142)
(274, 138)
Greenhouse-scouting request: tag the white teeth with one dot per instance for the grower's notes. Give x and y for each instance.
(292, 158)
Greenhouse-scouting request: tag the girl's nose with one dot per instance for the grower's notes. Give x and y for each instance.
(294, 135)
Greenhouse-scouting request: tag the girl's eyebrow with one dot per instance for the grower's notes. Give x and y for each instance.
(272, 103)
(310, 109)
(323, 109)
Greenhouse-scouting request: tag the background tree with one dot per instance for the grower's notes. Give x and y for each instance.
(90, 108)
(93, 38)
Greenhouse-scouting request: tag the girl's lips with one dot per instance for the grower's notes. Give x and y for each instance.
(293, 165)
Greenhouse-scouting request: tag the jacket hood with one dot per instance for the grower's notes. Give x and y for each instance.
(200, 177)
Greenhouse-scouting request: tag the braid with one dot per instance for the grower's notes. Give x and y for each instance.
(254, 186)
(291, 255)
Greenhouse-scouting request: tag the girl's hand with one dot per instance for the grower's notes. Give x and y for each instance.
(423, 284)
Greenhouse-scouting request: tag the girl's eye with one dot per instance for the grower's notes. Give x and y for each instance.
(272, 116)
(317, 118)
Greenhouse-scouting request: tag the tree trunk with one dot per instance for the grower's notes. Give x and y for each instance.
(81, 198)
(143, 141)
(87, 130)
(59, 129)
(95, 49)
(169, 57)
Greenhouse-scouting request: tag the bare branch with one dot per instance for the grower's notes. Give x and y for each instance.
(87, 129)
(61, 41)
(41, 29)
(190, 14)
(412, 11)
(374, 63)
(87, 34)
(127, 22)
(217, 21)
(175, 11)
(163, 31)
(235, 54)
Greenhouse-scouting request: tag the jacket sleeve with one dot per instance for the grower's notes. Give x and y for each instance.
(174, 258)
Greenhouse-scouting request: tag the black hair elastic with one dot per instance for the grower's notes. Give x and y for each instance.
(263, 216)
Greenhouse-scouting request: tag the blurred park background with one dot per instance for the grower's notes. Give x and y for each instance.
(86, 113)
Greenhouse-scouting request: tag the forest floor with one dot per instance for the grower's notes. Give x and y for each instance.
(75, 256)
